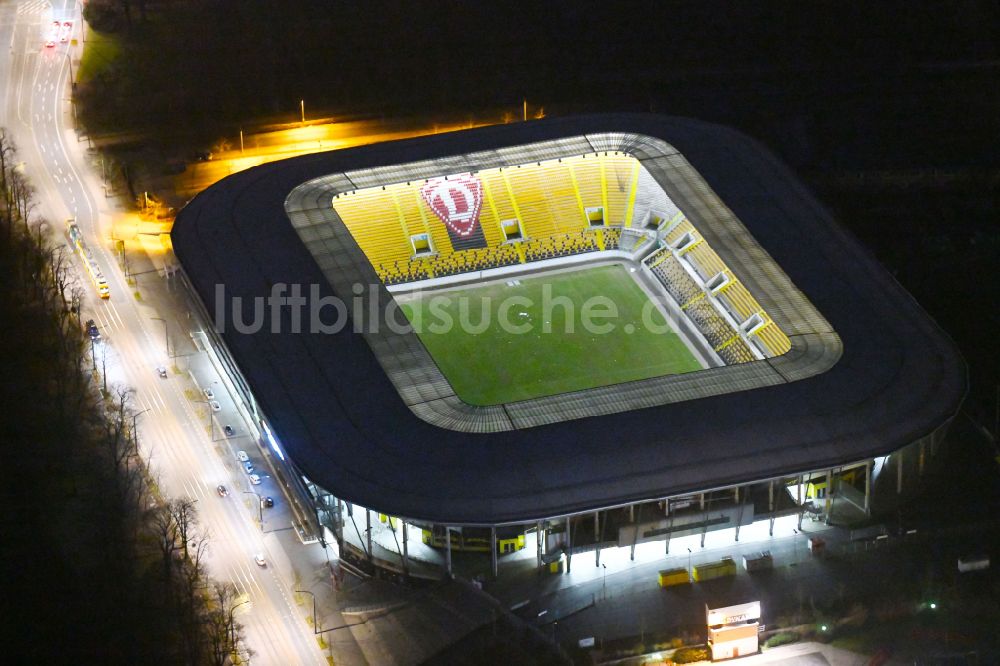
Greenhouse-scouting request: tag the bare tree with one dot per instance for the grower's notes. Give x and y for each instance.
(23, 194)
(186, 517)
(8, 156)
(166, 533)
(104, 367)
(224, 632)
(193, 610)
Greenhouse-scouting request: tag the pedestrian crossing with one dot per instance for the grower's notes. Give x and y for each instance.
(33, 7)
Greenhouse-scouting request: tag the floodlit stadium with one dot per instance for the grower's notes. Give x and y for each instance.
(587, 332)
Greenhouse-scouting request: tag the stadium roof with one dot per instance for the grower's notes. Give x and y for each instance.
(869, 371)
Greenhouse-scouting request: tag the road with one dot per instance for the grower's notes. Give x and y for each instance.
(37, 111)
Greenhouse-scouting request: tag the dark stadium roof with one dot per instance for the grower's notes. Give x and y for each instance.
(342, 421)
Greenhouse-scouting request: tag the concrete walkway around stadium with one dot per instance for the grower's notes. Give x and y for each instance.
(807, 654)
(799, 654)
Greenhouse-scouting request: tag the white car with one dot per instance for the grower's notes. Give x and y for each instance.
(209, 394)
(255, 479)
(214, 404)
(242, 456)
(53, 34)
(259, 559)
(64, 32)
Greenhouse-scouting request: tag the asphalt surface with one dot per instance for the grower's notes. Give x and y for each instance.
(36, 109)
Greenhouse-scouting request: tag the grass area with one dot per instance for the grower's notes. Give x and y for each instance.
(99, 53)
(499, 343)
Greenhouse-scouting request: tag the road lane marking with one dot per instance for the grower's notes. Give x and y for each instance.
(117, 316)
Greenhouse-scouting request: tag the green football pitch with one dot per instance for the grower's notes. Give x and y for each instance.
(514, 340)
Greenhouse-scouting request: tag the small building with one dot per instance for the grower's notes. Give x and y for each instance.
(758, 561)
(732, 631)
(669, 577)
(709, 570)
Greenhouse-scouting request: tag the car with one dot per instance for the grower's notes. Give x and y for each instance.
(248, 467)
(92, 330)
(259, 559)
(214, 404)
(228, 429)
(254, 479)
(221, 489)
(161, 371)
(53, 35)
(65, 30)
(209, 394)
(242, 456)
(268, 502)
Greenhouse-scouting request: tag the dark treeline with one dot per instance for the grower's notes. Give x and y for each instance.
(97, 568)
(839, 90)
(202, 64)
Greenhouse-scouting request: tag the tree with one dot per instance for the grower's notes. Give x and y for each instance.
(225, 633)
(8, 153)
(166, 532)
(186, 518)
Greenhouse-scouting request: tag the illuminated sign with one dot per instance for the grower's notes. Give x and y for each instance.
(733, 614)
(456, 201)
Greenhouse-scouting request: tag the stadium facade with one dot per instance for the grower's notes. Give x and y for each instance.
(817, 370)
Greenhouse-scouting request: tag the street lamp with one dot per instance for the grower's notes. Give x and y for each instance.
(134, 417)
(316, 622)
(232, 627)
(260, 506)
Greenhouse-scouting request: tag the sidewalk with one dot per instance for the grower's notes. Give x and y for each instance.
(808, 653)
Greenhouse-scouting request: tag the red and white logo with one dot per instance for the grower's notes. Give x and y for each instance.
(456, 201)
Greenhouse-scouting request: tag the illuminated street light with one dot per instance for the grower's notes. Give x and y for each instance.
(260, 506)
(232, 628)
(316, 622)
(134, 417)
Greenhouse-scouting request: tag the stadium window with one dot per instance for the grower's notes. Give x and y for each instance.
(717, 282)
(421, 244)
(595, 216)
(753, 324)
(684, 242)
(512, 229)
(654, 220)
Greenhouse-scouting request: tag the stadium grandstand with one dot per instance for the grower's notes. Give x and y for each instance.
(759, 363)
